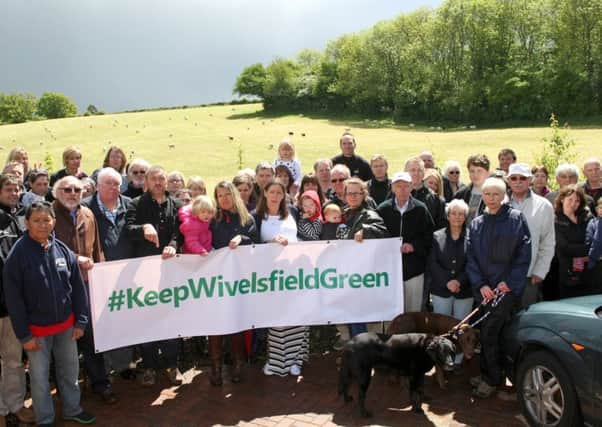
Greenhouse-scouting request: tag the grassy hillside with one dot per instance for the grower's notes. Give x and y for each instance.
(205, 140)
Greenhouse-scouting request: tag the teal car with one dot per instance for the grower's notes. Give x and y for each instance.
(553, 355)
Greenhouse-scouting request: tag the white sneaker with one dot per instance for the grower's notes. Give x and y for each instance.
(295, 370)
(267, 370)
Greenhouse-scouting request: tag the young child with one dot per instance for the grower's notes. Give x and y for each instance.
(194, 225)
(286, 157)
(593, 238)
(333, 217)
(309, 225)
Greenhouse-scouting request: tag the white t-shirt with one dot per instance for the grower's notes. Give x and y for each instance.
(274, 226)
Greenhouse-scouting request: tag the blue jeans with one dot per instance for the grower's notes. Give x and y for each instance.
(64, 350)
(452, 306)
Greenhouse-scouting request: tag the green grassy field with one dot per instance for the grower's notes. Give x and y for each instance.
(204, 141)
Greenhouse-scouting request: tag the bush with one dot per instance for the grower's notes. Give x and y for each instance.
(17, 107)
(56, 106)
(557, 149)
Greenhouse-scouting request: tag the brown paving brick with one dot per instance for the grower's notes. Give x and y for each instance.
(283, 402)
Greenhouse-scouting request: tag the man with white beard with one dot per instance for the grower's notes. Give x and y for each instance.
(136, 174)
(77, 228)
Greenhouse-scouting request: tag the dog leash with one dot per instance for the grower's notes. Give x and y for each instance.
(494, 303)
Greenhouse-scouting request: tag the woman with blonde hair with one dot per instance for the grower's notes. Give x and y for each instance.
(232, 226)
(434, 181)
(19, 154)
(72, 160)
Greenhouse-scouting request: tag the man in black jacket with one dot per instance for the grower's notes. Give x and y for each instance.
(379, 186)
(12, 392)
(358, 166)
(409, 218)
(153, 226)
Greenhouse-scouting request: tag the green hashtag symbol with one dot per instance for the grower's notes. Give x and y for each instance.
(116, 300)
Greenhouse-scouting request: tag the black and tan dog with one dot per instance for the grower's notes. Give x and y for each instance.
(411, 355)
(464, 337)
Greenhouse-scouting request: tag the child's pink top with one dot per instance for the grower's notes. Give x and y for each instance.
(197, 234)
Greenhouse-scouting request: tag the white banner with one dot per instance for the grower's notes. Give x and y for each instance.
(311, 283)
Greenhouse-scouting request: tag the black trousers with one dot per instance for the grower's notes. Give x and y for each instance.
(491, 355)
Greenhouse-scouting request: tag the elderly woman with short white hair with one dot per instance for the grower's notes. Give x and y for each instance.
(498, 252)
(451, 179)
(450, 290)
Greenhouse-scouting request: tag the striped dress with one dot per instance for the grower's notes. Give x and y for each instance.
(287, 346)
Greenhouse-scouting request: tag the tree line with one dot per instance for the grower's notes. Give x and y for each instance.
(467, 60)
(22, 107)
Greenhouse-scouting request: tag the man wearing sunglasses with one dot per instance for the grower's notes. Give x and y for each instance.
(540, 220)
(136, 173)
(76, 227)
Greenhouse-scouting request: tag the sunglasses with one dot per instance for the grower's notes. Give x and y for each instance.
(335, 180)
(70, 190)
(138, 172)
(454, 172)
(518, 178)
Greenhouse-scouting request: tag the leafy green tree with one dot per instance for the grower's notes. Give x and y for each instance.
(251, 81)
(281, 84)
(467, 60)
(56, 106)
(17, 107)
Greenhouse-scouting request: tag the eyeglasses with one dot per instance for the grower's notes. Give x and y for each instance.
(174, 180)
(354, 194)
(517, 178)
(138, 172)
(70, 190)
(335, 180)
(453, 173)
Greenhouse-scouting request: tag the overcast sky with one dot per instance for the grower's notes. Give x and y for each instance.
(131, 54)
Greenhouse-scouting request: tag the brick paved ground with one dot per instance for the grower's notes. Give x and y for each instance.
(309, 401)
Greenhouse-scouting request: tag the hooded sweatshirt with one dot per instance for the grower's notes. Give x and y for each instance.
(310, 228)
(197, 234)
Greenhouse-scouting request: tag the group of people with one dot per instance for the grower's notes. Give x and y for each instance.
(505, 232)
